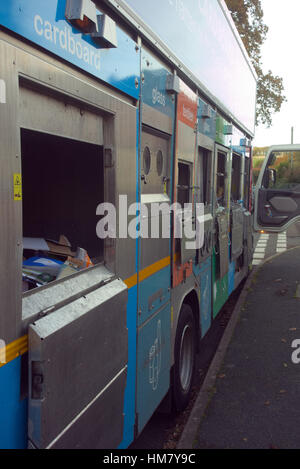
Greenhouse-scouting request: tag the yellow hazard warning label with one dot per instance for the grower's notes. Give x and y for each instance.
(17, 186)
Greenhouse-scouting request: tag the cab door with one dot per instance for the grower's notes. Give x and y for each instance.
(277, 192)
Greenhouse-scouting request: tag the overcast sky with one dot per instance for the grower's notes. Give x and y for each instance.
(280, 54)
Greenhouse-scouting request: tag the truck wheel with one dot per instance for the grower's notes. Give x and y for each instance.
(185, 354)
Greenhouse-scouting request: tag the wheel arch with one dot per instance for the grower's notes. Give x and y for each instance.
(192, 300)
(185, 350)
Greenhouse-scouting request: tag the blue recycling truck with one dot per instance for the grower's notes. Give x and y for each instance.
(107, 109)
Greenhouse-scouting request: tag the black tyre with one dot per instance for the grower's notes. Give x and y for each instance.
(185, 357)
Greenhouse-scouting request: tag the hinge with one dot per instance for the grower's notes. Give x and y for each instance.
(37, 380)
(108, 157)
(46, 311)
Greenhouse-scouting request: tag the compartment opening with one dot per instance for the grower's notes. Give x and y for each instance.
(236, 177)
(205, 160)
(221, 174)
(63, 183)
(184, 183)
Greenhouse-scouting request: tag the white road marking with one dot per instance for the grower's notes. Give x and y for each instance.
(258, 255)
(256, 261)
(260, 249)
(281, 245)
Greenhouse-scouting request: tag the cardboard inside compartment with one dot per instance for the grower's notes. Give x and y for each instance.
(62, 247)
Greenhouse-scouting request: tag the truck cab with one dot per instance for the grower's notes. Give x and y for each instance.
(277, 191)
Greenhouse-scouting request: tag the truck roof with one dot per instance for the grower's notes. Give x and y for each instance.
(201, 43)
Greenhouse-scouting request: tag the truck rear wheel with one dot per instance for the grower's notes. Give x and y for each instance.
(185, 355)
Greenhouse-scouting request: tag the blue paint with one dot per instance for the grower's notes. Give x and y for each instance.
(203, 273)
(154, 85)
(196, 268)
(129, 400)
(158, 281)
(153, 378)
(205, 296)
(231, 272)
(44, 24)
(238, 149)
(138, 180)
(13, 410)
(206, 125)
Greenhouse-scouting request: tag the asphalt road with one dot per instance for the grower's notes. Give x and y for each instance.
(268, 244)
(163, 430)
(254, 398)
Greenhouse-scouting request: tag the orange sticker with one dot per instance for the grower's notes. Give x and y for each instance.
(187, 109)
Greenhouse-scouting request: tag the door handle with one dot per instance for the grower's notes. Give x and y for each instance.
(268, 210)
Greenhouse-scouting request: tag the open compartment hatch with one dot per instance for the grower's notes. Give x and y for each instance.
(63, 183)
(77, 377)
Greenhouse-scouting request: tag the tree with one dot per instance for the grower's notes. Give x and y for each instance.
(248, 18)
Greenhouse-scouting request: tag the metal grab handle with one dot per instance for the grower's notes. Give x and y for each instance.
(268, 210)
